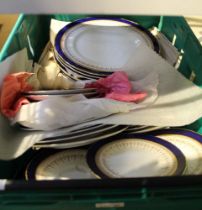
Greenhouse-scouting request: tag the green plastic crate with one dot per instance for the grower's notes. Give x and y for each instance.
(167, 193)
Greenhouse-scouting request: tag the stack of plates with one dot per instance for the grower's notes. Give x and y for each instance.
(75, 137)
(167, 152)
(141, 129)
(125, 156)
(91, 48)
(81, 137)
(88, 92)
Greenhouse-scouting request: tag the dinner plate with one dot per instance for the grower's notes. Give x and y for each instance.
(71, 75)
(63, 165)
(72, 72)
(76, 74)
(135, 156)
(68, 72)
(102, 44)
(144, 129)
(42, 97)
(78, 142)
(61, 92)
(189, 143)
(136, 127)
(79, 134)
(78, 70)
(76, 129)
(87, 128)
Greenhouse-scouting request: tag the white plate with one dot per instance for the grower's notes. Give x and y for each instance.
(79, 135)
(102, 45)
(136, 127)
(135, 157)
(145, 130)
(72, 75)
(191, 148)
(61, 92)
(81, 142)
(64, 165)
(80, 71)
(76, 73)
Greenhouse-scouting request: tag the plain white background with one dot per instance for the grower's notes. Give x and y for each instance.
(159, 7)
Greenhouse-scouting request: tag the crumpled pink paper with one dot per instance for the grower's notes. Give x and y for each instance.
(11, 98)
(118, 87)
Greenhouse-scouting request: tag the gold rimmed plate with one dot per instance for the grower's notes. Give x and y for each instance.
(128, 156)
(59, 165)
(190, 143)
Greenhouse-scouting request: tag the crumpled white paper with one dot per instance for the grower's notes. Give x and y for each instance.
(15, 63)
(58, 111)
(14, 141)
(167, 49)
(179, 101)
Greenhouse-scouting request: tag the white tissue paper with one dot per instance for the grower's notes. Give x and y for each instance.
(179, 101)
(15, 63)
(58, 111)
(167, 49)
